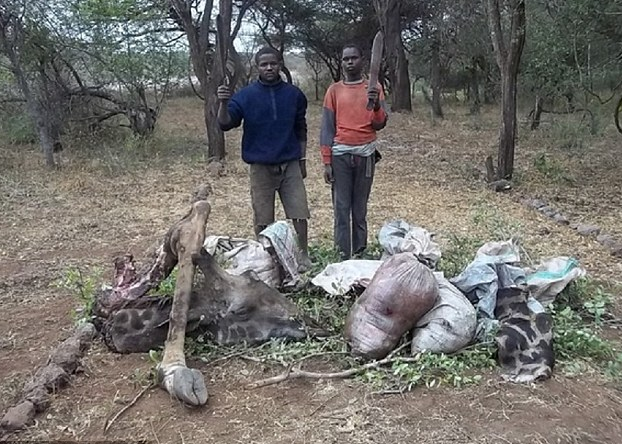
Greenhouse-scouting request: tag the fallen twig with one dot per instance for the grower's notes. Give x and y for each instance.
(223, 358)
(292, 373)
(109, 422)
(322, 405)
(155, 435)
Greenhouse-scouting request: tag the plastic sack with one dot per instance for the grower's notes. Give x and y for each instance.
(551, 277)
(494, 267)
(338, 279)
(281, 237)
(241, 255)
(449, 325)
(400, 293)
(399, 237)
(504, 252)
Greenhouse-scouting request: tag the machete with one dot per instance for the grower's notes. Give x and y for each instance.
(222, 46)
(374, 65)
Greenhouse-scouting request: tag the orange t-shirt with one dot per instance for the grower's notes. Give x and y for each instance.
(345, 118)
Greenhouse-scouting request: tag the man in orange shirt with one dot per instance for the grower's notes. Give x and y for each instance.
(348, 147)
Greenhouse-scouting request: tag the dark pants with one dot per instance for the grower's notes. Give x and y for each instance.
(353, 178)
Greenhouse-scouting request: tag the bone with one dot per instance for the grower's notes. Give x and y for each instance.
(185, 384)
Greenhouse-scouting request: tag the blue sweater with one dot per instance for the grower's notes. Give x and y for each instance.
(274, 121)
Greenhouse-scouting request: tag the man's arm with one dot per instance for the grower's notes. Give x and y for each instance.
(379, 118)
(300, 128)
(300, 125)
(328, 130)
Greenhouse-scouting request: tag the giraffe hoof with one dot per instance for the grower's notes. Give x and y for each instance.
(185, 384)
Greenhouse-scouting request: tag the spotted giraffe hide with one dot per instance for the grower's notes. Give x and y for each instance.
(525, 338)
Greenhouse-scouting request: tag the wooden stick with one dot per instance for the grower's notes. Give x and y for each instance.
(109, 423)
(291, 373)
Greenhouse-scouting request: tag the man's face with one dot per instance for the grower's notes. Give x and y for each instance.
(269, 68)
(351, 62)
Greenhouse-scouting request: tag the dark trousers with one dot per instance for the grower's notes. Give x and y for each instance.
(353, 178)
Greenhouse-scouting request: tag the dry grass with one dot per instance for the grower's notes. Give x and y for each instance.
(119, 195)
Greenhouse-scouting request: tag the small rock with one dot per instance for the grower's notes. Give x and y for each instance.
(574, 225)
(19, 416)
(39, 397)
(616, 250)
(548, 211)
(606, 239)
(67, 355)
(52, 377)
(215, 168)
(537, 204)
(561, 219)
(86, 332)
(588, 230)
(500, 185)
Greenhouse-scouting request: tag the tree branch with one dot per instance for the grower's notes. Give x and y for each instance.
(494, 22)
(292, 373)
(517, 33)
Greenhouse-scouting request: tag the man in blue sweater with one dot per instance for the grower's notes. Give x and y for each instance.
(274, 143)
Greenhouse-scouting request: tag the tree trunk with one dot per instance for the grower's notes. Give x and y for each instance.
(489, 83)
(473, 96)
(215, 137)
(46, 138)
(536, 114)
(10, 37)
(388, 12)
(507, 137)
(288, 75)
(435, 78)
(508, 52)
(142, 121)
(616, 115)
(316, 81)
(200, 48)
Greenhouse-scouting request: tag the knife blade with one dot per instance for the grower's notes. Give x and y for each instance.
(222, 46)
(374, 65)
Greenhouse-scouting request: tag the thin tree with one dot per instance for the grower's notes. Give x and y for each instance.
(508, 47)
(40, 96)
(206, 62)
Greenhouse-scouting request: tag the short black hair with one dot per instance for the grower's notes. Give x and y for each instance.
(267, 50)
(353, 46)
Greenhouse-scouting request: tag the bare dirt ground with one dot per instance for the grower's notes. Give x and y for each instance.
(117, 196)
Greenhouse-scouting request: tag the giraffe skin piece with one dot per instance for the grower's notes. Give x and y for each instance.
(525, 338)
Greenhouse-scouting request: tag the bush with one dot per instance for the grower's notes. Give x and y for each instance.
(16, 126)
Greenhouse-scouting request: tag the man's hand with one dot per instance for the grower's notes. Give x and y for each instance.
(328, 174)
(223, 93)
(374, 96)
(303, 168)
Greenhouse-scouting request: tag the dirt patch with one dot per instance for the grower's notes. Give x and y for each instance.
(102, 204)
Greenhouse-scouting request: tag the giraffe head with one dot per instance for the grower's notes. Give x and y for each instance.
(230, 309)
(245, 309)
